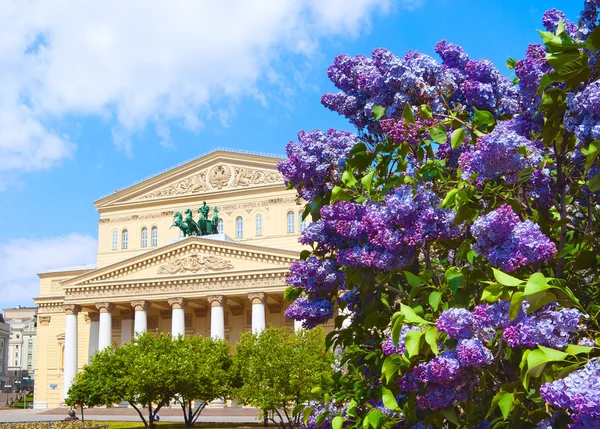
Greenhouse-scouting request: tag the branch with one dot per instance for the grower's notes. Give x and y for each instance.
(140, 413)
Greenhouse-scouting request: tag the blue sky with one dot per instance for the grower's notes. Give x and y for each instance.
(97, 99)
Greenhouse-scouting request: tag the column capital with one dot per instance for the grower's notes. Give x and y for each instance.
(140, 305)
(257, 297)
(71, 309)
(216, 300)
(126, 314)
(177, 302)
(105, 307)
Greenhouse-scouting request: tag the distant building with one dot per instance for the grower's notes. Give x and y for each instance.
(21, 346)
(4, 338)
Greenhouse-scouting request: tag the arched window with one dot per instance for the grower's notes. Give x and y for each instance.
(144, 237)
(290, 222)
(301, 221)
(220, 226)
(239, 227)
(115, 239)
(124, 239)
(154, 234)
(259, 224)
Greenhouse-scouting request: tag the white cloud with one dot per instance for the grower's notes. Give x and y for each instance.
(22, 259)
(139, 62)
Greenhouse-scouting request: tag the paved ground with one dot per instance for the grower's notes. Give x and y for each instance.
(228, 415)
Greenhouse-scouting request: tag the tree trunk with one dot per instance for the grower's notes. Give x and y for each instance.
(82, 418)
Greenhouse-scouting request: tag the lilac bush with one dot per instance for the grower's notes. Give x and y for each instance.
(455, 236)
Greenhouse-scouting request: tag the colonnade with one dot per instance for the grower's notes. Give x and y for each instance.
(101, 325)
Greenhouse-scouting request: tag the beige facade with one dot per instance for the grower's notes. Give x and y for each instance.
(148, 277)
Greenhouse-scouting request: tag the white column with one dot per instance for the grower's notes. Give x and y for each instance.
(70, 356)
(126, 326)
(141, 317)
(258, 311)
(177, 317)
(217, 316)
(298, 325)
(94, 326)
(105, 328)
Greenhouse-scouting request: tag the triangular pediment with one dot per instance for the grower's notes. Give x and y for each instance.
(215, 173)
(192, 257)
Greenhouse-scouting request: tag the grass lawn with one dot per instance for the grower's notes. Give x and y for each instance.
(21, 404)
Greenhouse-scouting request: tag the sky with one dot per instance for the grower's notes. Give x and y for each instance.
(98, 95)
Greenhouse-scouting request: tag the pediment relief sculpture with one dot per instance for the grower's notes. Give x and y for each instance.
(195, 263)
(216, 178)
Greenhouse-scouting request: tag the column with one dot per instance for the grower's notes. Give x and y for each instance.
(105, 328)
(178, 316)
(126, 326)
(70, 356)
(258, 311)
(217, 316)
(94, 326)
(140, 324)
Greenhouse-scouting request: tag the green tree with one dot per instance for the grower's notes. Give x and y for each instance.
(277, 370)
(201, 373)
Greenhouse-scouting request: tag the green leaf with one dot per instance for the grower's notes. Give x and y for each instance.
(505, 279)
(352, 406)
(457, 137)
(506, 404)
(373, 418)
(414, 281)
(454, 278)
(396, 329)
(389, 401)
(306, 415)
(367, 180)
(426, 111)
(378, 112)
(434, 300)
(594, 183)
(438, 134)
(537, 359)
(574, 349)
(591, 153)
(407, 114)
(339, 194)
(413, 342)
(337, 422)
(358, 147)
(411, 316)
(511, 63)
(348, 179)
(450, 415)
(593, 40)
(291, 293)
(585, 260)
(390, 367)
(431, 336)
(305, 254)
(449, 198)
(483, 120)
(536, 283)
(515, 304)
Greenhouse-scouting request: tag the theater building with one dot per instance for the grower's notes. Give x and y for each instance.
(148, 277)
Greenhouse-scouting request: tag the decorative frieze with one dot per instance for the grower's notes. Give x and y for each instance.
(195, 263)
(149, 216)
(55, 286)
(44, 320)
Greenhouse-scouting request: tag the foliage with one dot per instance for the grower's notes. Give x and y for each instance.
(201, 373)
(278, 369)
(458, 176)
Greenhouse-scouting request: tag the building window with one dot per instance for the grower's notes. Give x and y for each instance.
(259, 224)
(154, 236)
(239, 227)
(290, 222)
(301, 221)
(124, 239)
(220, 226)
(144, 237)
(115, 240)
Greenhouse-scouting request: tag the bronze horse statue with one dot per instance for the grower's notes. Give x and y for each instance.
(182, 224)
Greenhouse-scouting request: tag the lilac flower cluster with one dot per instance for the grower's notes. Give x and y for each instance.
(579, 392)
(583, 113)
(542, 188)
(551, 19)
(509, 243)
(392, 82)
(588, 17)
(311, 311)
(314, 164)
(384, 235)
(500, 154)
(402, 131)
(388, 346)
(318, 408)
(318, 277)
(530, 70)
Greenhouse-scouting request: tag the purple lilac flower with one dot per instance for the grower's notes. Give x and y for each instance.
(472, 352)
(445, 395)
(313, 164)
(579, 392)
(542, 188)
(492, 315)
(586, 342)
(401, 131)
(508, 243)
(588, 18)
(312, 312)
(583, 113)
(388, 346)
(442, 369)
(452, 55)
(458, 323)
(551, 19)
(530, 70)
(499, 155)
(318, 277)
